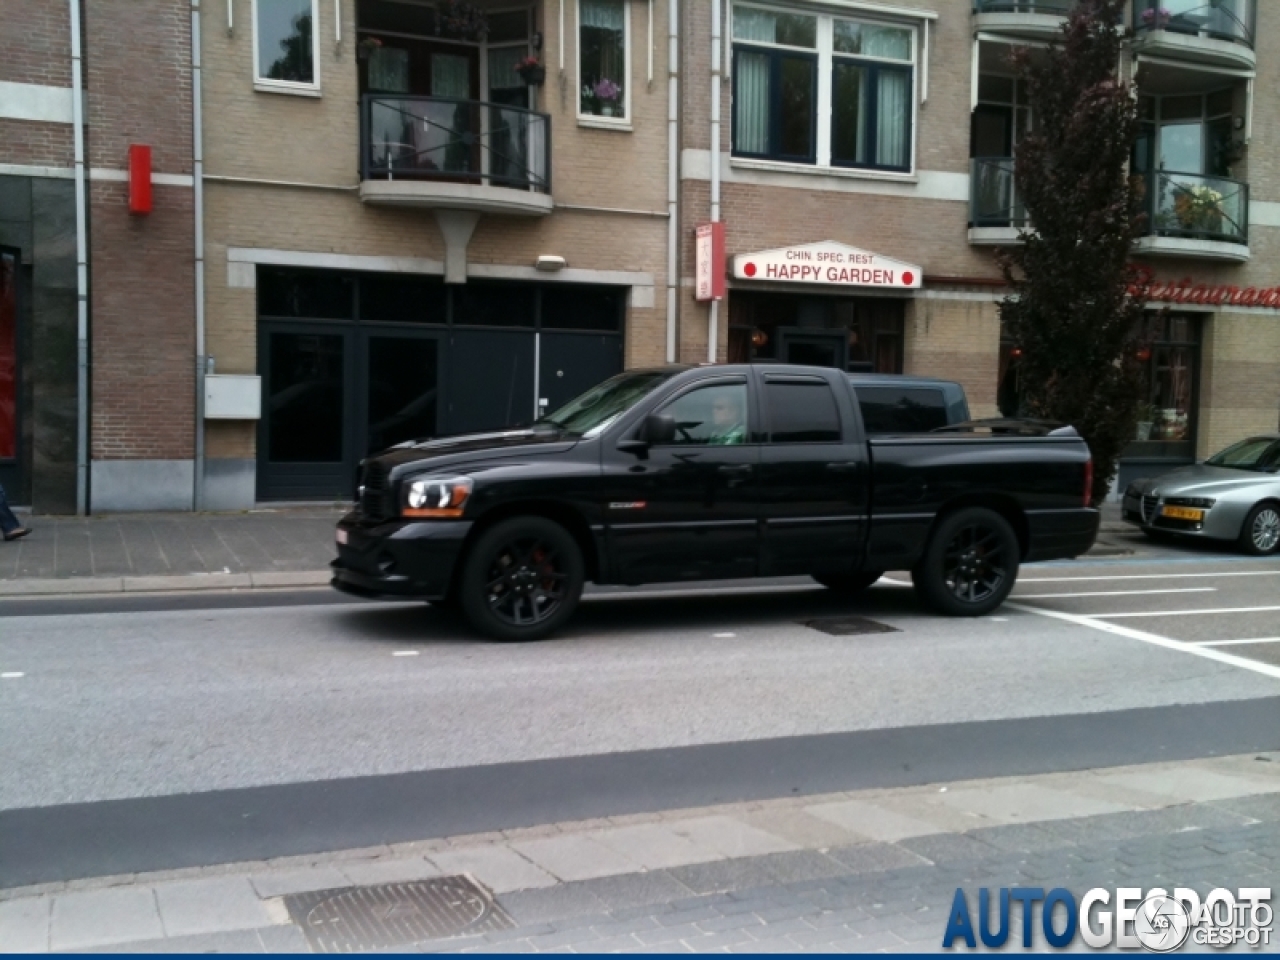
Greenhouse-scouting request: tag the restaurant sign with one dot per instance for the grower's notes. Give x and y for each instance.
(1207, 294)
(827, 263)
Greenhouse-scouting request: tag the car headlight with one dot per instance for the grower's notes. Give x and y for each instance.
(1202, 503)
(435, 496)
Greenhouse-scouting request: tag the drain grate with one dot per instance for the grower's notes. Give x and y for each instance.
(849, 626)
(394, 914)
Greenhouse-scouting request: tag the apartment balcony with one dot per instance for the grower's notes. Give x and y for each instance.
(445, 154)
(996, 214)
(1027, 19)
(1217, 33)
(1201, 217)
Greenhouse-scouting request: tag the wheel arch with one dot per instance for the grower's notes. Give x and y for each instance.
(563, 514)
(1002, 504)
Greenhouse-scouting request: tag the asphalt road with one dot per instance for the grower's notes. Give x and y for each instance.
(150, 718)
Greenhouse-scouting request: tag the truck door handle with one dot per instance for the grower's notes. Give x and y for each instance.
(735, 470)
(843, 467)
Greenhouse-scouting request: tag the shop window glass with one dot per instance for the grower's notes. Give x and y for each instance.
(493, 305)
(306, 408)
(602, 64)
(711, 415)
(285, 40)
(802, 413)
(399, 299)
(304, 294)
(8, 356)
(581, 308)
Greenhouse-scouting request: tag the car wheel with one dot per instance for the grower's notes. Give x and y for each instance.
(1261, 532)
(970, 564)
(522, 579)
(848, 584)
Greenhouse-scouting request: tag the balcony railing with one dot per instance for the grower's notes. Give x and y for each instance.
(1196, 207)
(1231, 20)
(993, 196)
(1052, 8)
(458, 141)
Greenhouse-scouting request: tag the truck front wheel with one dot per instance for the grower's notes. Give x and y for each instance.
(970, 564)
(522, 579)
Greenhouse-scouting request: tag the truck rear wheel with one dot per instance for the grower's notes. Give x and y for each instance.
(522, 579)
(970, 564)
(849, 584)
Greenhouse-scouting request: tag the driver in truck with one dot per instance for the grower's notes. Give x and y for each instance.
(728, 424)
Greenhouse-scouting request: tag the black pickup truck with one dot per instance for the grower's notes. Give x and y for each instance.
(711, 472)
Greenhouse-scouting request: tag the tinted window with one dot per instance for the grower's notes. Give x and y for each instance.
(902, 409)
(306, 294)
(802, 413)
(493, 305)
(716, 414)
(393, 299)
(581, 308)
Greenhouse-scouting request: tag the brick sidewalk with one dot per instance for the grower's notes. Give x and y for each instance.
(868, 871)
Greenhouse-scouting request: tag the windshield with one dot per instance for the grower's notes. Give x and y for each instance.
(1260, 454)
(589, 414)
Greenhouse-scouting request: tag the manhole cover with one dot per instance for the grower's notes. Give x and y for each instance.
(393, 914)
(848, 626)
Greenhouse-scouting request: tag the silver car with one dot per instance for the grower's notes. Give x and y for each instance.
(1234, 495)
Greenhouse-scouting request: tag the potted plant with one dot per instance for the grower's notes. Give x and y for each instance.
(531, 71)
(365, 48)
(1146, 420)
(605, 95)
(461, 20)
(1199, 208)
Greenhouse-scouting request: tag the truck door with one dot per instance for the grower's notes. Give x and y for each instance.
(814, 476)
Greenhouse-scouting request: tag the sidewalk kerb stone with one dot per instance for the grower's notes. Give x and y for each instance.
(96, 918)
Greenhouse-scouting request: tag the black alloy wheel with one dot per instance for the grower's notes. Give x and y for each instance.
(522, 579)
(970, 564)
(849, 584)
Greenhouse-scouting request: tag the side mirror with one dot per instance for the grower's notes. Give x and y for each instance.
(659, 428)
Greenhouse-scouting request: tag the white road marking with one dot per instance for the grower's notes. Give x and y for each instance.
(1181, 613)
(1168, 643)
(1113, 593)
(1231, 643)
(12, 675)
(1153, 576)
(723, 636)
(405, 653)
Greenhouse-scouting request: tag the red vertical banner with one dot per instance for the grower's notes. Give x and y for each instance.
(139, 178)
(709, 263)
(8, 356)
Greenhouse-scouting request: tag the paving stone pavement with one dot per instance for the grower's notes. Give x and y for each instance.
(735, 886)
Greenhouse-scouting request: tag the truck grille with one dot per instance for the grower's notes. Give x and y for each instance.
(1149, 504)
(374, 495)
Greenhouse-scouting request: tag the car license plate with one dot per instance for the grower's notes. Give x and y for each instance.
(342, 536)
(1182, 513)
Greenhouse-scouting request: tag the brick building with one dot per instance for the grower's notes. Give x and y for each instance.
(376, 219)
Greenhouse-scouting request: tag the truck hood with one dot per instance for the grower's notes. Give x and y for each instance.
(1200, 480)
(469, 447)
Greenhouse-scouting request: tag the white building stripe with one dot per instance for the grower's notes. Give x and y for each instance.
(35, 101)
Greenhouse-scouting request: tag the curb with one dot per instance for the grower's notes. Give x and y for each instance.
(171, 584)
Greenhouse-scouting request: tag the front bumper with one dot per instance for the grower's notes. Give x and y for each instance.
(1220, 522)
(407, 559)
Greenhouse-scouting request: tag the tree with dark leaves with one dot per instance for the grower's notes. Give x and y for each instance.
(1076, 308)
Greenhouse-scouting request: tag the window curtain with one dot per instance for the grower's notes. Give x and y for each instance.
(751, 103)
(450, 76)
(603, 14)
(502, 67)
(893, 122)
(750, 24)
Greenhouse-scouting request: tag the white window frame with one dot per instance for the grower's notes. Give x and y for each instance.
(824, 49)
(266, 84)
(590, 119)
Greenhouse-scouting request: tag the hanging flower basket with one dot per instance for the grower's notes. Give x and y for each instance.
(460, 20)
(365, 48)
(533, 73)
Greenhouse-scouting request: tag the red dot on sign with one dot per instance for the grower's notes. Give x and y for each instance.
(908, 278)
(749, 269)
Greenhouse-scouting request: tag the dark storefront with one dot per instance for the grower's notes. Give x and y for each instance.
(858, 334)
(353, 363)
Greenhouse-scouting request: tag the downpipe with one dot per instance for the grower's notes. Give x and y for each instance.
(197, 142)
(82, 269)
(713, 318)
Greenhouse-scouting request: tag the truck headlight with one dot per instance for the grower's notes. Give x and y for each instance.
(435, 496)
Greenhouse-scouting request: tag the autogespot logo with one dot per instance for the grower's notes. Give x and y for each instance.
(1154, 920)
